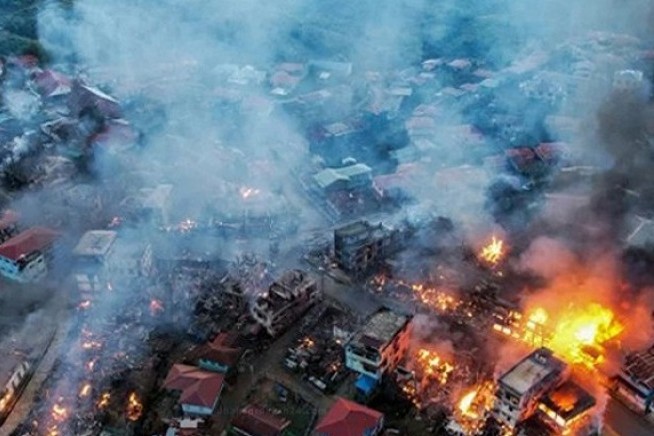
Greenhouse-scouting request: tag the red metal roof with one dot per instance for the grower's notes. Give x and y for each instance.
(198, 387)
(347, 418)
(49, 81)
(257, 421)
(27, 242)
(8, 218)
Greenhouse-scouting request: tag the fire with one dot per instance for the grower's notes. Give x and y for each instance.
(88, 345)
(247, 192)
(104, 400)
(86, 390)
(582, 329)
(156, 306)
(439, 300)
(134, 407)
(84, 304)
(4, 401)
(90, 364)
(186, 225)
(576, 333)
(493, 252)
(466, 402)
(473, 407)
(59, 413)
(433, 366)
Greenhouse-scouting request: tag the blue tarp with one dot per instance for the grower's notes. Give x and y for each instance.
(366, 384)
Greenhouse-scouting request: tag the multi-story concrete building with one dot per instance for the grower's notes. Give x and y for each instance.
(380, 345)
(286, 300)
(635, 382)
(360, 245)
(102, 254)
(521, 387)
(24, 257)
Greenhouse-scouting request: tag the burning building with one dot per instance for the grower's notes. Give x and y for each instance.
(635, 381)
(380, 345)
(524, 385)
(285, 301)
(359, 246)
(24, 257)
(567, 408)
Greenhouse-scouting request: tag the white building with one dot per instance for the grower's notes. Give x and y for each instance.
(24, 257)
(102, 254)
(380, 345)
(521, 387)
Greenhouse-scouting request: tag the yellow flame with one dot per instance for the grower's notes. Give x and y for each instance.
(134, 407)
(86, 390)
(104, 400)
(493, 252)
(574, 331)
(466, 402)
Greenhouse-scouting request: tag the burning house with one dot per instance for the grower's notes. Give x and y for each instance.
(522, 387)
(8, 225)
(24, 257)
(359, 246)
(199, 389)
(285, 301)
(635, 381)
(567, 408)
(380, 345)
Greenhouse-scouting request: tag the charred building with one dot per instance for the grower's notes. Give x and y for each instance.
(360, 246)
(522, 387)
(380, 345)
(285, 301)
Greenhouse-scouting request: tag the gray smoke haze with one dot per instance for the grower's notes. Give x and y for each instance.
(174, 65)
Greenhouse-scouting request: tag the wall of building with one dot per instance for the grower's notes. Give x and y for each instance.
(35, 270)
(197, 410)
(213, 366)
